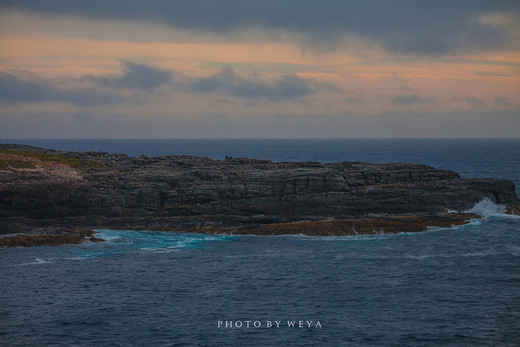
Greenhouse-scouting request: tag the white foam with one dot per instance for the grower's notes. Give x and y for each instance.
(107, 234)
(159, 249)
(37, 261)
(79, 257)
(488, 208)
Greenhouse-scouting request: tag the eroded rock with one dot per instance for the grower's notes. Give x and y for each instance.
(98, 189)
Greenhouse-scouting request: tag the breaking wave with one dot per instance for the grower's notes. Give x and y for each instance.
(487, 208)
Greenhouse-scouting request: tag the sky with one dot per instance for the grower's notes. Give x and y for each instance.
(259, 69)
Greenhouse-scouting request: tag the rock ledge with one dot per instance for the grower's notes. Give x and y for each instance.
(41, 188)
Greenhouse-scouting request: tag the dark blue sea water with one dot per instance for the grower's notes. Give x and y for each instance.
(454, 287)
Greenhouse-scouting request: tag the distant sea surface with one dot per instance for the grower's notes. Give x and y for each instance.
(456, 286)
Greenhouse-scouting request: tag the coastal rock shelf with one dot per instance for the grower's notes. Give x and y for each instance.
(42, 188)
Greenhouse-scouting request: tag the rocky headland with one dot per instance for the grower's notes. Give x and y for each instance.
(59, 195)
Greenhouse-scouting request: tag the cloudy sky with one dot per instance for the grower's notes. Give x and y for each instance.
(282, 68)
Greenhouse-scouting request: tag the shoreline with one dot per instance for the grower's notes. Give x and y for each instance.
(32, 240)
(60, 197)
(345, 227)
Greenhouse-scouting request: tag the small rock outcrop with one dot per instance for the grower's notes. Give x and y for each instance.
(47, 188)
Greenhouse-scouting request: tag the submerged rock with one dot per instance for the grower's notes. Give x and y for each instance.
(97, 189)
(37, 239)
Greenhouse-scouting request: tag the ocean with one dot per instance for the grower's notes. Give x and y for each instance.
(454, 286)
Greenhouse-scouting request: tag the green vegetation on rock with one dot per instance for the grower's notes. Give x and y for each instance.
(42, 156)
(17, 164)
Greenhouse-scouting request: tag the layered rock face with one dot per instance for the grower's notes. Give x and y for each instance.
(187, 192)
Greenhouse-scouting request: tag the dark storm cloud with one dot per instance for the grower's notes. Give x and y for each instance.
(472, 100)
(502, 101)
(23, 87)
(135, 76)
(89, 97)
(411, 99)
(147, 78)
(424, 27)
(15, 88)
(287, 87)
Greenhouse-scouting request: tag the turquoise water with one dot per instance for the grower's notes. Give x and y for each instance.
(456, 286)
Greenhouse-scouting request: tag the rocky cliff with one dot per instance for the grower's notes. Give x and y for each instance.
(42, 188)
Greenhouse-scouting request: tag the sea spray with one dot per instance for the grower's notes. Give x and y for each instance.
(488, 208)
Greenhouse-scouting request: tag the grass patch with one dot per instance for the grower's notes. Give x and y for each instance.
(44, 157)
(17, 164)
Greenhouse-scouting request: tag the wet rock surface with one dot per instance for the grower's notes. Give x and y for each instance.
(103, 190)
(67, 236)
